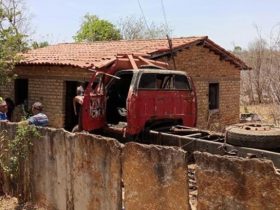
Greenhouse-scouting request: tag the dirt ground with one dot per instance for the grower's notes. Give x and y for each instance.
(11, 203)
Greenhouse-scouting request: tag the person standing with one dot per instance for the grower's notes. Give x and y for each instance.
(3, 110)
(38, 118)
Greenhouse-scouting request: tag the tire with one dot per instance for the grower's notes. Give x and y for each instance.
(251, 135)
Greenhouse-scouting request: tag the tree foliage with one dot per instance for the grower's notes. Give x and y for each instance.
(12, 37)
(95, 29)
(132, 27)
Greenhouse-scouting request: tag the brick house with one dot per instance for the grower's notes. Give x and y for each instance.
(51, 74)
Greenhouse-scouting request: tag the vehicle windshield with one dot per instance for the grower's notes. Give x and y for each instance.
(164, 81)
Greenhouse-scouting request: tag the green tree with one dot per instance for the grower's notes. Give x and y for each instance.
(12, 37)
(95, 29)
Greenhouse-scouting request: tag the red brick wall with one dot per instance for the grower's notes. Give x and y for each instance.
(7, 90)
(204, 66)
(51, 93)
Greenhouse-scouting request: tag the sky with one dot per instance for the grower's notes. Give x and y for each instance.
(228, 23)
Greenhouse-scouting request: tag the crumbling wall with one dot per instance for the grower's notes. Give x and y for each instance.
(154, 177)
(72, 171)
(236, 183)
(83, 171)
(76, 171)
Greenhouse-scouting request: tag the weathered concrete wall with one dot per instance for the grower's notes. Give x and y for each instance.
(235, 183)
(76, 171)
(154, 177)
(69, 171)
(83, 171)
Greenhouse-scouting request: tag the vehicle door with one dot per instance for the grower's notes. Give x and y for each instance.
(94, 104)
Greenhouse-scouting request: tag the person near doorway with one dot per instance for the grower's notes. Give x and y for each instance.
(78, 99)
(20, 112)
(38, 118)
(3, 110)
(11, 107)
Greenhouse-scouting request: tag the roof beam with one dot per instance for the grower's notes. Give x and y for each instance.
(132, 61)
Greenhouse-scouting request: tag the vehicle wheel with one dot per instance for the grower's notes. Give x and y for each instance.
(252, 135)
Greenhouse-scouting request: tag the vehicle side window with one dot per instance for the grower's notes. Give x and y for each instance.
(181, 82)
(148, 81)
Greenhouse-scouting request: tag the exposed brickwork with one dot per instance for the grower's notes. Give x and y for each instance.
(204, 66)
(51, 93)
(7, 90)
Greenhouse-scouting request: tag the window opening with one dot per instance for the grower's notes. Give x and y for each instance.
(213, 96)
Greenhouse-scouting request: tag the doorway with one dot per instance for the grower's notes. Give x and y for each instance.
(71, 119)
(21, 91)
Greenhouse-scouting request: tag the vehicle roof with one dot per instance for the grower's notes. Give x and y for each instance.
(156, 71)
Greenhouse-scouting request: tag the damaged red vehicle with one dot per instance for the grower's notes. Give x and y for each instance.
(145, 97)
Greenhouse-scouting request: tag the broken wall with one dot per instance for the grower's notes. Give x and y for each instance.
(83, 171)
(68, 171)
(236, 183)
(154, 177)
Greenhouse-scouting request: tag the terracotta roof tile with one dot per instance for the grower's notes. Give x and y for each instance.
(98, 54)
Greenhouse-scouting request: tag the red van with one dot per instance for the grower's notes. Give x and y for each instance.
(133, 100)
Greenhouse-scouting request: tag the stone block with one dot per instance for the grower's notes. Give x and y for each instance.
(154, 177)
(236, 183)
(96, 172)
